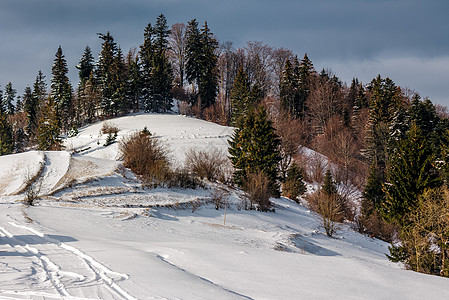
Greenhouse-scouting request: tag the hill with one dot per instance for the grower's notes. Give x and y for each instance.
(97, 233)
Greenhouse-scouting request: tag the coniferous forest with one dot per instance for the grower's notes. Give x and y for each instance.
(386, 149)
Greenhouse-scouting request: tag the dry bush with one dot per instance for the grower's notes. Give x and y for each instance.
(217, 114)
(219, 196)
(146, 157)
(181, 178)
(207, 164)
(329, 208)
(109, 128)
(256, 187)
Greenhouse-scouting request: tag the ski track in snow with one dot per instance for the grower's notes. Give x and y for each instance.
(47, 251)
(165, 260)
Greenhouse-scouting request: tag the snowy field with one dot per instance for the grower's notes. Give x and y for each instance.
(97, 234)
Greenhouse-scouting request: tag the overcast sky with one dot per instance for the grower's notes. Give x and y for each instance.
(406, 40)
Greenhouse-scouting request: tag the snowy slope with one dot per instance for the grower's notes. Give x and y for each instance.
(99, 235)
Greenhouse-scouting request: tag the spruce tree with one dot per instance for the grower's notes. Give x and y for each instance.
(85, 67)
(6, 139)
(49, 130)
(61, 90)
(157, 74)
(412, 171)
(31, 107)
(254, 147)
(106, 74)
(294, 185)
(201, 62)
(134, 81)
(208, 79)
(9, 96)
(239, 96)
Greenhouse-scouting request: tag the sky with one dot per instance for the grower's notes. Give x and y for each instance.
(406, 40)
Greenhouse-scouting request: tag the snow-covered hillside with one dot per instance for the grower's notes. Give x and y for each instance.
(97, 234)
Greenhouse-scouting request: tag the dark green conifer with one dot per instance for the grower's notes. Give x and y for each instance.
(240, 94)
(7, 105)
(61, 90)
(6, 139)
(254, 147)
(49, 130)
(412, 171)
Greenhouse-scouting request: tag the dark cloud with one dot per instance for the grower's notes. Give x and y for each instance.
(330, 31)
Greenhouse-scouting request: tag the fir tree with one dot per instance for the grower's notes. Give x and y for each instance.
(156, 69)
(106, 73)
(412, 171)
(201, 62)
(61, 90)
(31, 107)
(85, 67)
(240, 94)
(134, 81)
(254, 147)
(6, 139)
(294, 185)
(208, 80)
(329, 187)
(9, 95)
(49, 129)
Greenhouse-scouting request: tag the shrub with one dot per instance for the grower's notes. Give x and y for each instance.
(257, 189)
(181, 178)
(109, 128)
(218, 196)
(208, 165)
(146, 157)
(110, 139)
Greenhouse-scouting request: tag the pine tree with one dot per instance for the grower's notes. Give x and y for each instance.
(49, 129)
(85, 67)
(156, 69)
(208, 80)
(6, 139)
(106, 74)
(294, 185)
(9, 95)
(134, 81)
(239, 96)
(61, 90)
(31, 107)
(412, 171)
(329, 187)
(201, 62)
(254, 147)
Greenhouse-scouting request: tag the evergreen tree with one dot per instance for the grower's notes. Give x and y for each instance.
(240, 94)
(6, 139)
(119, 99)
(329, 187)
(208, 80)
(288, 89)
(294, 185)
(49, 129)
(9, 95)
(254, 147)
(134, 81)
(31, 107)
(40, 89)
(412, 171)
(61, 90)
(201, 62)
(106, 74)
(85, 67)
(156, 69)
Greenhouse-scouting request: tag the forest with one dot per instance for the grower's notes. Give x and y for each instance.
(380, 139)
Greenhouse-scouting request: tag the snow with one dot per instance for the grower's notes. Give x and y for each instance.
(97, 233)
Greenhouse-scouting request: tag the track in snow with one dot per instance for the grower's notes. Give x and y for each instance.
(58, 269)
